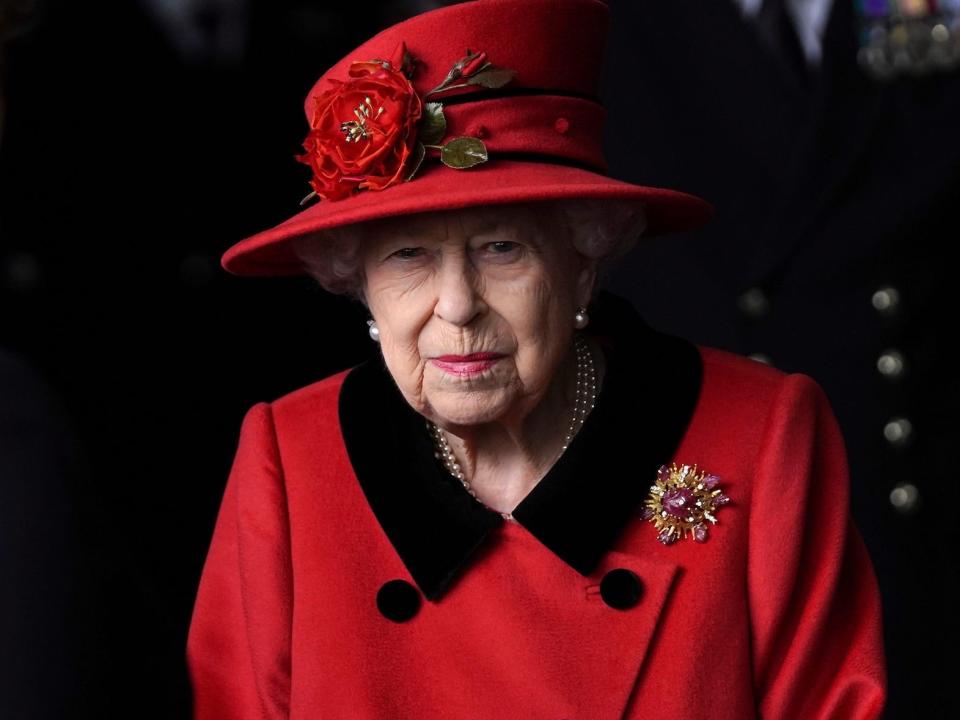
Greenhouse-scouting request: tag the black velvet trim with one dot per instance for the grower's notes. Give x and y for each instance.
(648, 397)
(580, 506)
(432, 521)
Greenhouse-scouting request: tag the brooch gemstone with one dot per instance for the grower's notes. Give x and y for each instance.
(682, 503)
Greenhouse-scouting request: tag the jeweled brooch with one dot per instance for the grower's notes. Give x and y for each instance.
(682, 502)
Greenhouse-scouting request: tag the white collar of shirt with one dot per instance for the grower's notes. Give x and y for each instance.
(809, 19)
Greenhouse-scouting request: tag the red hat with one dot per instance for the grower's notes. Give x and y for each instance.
(480, 103)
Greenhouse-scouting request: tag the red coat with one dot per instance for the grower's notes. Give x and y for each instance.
(350, 577)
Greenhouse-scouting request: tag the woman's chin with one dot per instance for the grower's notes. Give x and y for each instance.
(469, 408)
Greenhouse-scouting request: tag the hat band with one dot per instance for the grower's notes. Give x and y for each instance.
(477, 94)
(559, 127)
(532, 157)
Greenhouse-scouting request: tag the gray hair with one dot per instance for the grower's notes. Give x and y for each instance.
(602, 230)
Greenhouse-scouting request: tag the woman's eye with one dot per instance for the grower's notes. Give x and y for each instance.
(408, 253)
(502, 247)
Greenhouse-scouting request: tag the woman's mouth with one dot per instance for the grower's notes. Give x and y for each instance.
(464, 365)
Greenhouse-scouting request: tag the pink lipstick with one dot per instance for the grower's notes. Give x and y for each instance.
(465, 365)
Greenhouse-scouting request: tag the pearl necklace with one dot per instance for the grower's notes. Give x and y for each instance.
(584, 400)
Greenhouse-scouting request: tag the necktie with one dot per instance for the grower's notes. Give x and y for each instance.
(779, 36)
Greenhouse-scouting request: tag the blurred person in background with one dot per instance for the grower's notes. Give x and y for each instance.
(825, 133)
(43, 596)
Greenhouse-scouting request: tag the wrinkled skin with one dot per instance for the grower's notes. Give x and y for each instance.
(496, 279)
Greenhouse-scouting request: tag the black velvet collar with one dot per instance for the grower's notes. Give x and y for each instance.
(579, 507)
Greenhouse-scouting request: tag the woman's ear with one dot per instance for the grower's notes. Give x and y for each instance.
(586, 280)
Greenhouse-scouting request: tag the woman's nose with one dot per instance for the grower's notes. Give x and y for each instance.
(458, 297)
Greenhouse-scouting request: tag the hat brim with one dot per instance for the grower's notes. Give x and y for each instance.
(437, 187)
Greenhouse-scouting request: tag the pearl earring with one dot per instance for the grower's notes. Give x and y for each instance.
(373, 330)
(581, 319)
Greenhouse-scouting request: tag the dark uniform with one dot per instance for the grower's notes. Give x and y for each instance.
(836, 194)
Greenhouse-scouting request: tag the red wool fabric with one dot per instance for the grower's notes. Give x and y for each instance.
(776, 616)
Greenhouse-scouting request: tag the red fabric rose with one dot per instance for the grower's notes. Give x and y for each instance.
(363, 131)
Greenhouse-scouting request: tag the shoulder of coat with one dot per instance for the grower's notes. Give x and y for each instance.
(318, 396)
(725, 366)
(738, 385)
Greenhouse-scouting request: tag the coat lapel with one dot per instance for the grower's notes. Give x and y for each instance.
(620, 639)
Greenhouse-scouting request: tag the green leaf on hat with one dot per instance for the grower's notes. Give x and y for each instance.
(493, 77)
(463, 152)
(419, 152)
(433, 125)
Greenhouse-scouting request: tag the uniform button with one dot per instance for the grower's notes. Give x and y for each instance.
(886, 300)
(398, 600)
(905, 497)
(620, 588)
(754, 302)
(890, 364)
(898, 431)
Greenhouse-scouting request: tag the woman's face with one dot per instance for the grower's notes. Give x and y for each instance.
(475, 308)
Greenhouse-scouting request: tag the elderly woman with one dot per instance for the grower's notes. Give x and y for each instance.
(529, 504)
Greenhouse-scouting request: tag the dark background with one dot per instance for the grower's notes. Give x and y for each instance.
(137, 146)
